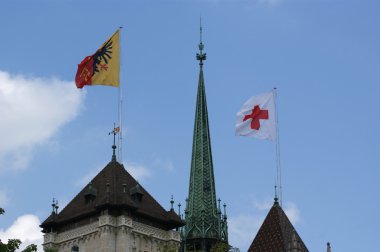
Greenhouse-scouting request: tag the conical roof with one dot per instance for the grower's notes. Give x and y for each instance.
(277, 234)
(205, 224)
(202, 208)
(113, 187)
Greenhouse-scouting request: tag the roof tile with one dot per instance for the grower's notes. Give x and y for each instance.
(112, 187)
(277, 234)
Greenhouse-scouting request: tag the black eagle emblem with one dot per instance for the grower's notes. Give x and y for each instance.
(103, 53)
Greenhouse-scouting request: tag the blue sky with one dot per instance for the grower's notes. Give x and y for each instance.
(323, 56)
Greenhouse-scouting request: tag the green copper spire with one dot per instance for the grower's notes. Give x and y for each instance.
(205, 225)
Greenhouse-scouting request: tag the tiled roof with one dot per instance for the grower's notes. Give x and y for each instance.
(114, 187)
(277, 234)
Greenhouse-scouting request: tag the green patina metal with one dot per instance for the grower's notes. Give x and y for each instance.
(205, 223)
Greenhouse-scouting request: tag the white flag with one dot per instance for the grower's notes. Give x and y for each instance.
(257, 117)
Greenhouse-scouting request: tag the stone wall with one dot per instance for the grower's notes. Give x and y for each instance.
(119, 234)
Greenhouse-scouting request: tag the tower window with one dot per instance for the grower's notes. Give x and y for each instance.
(75, 248)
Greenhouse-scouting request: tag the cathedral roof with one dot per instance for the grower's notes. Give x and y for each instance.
(204, 220)
(114, 188)
(277, 234)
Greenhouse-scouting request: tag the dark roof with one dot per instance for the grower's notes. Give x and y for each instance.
(277, 234)
(114, 187)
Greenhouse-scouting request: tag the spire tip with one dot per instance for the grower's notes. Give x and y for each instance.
(275, 195)
(201, 56)
(114, 132)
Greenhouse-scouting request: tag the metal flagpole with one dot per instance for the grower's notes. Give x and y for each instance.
(278, 154)
(120, 137)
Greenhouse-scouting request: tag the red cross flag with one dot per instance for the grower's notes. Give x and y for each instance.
(257, 117)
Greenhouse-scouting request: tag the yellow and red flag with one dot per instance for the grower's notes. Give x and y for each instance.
(101, 68)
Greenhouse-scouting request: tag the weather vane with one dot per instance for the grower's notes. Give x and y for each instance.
(114, 132)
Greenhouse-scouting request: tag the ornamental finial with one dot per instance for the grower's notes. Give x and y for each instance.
(114, 132)
(171, 203)
(275, 195)
(328, 247)
(201, 56)
(200, 29)
(55, 206)
(179, 209)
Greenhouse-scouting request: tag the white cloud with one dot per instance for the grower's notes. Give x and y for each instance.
(81, 182)
(164, 164)
(139, 172)
(26, 228)
(292, 212)
(32, 110)
(263, 205)
(242, 228)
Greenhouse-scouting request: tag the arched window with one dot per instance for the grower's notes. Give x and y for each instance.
(75, 248)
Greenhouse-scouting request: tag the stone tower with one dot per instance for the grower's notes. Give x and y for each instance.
(112, 213)
(205, 223)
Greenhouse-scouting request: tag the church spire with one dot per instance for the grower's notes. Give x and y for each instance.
(204, 224)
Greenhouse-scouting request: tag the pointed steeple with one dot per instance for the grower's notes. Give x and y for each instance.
(277, 234)
(204, 224)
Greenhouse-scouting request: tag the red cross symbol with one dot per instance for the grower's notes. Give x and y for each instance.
(256, 115)
(103, 66)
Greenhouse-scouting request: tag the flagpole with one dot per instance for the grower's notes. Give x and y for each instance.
(120, 123)
(278, 154)
(120, 140)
